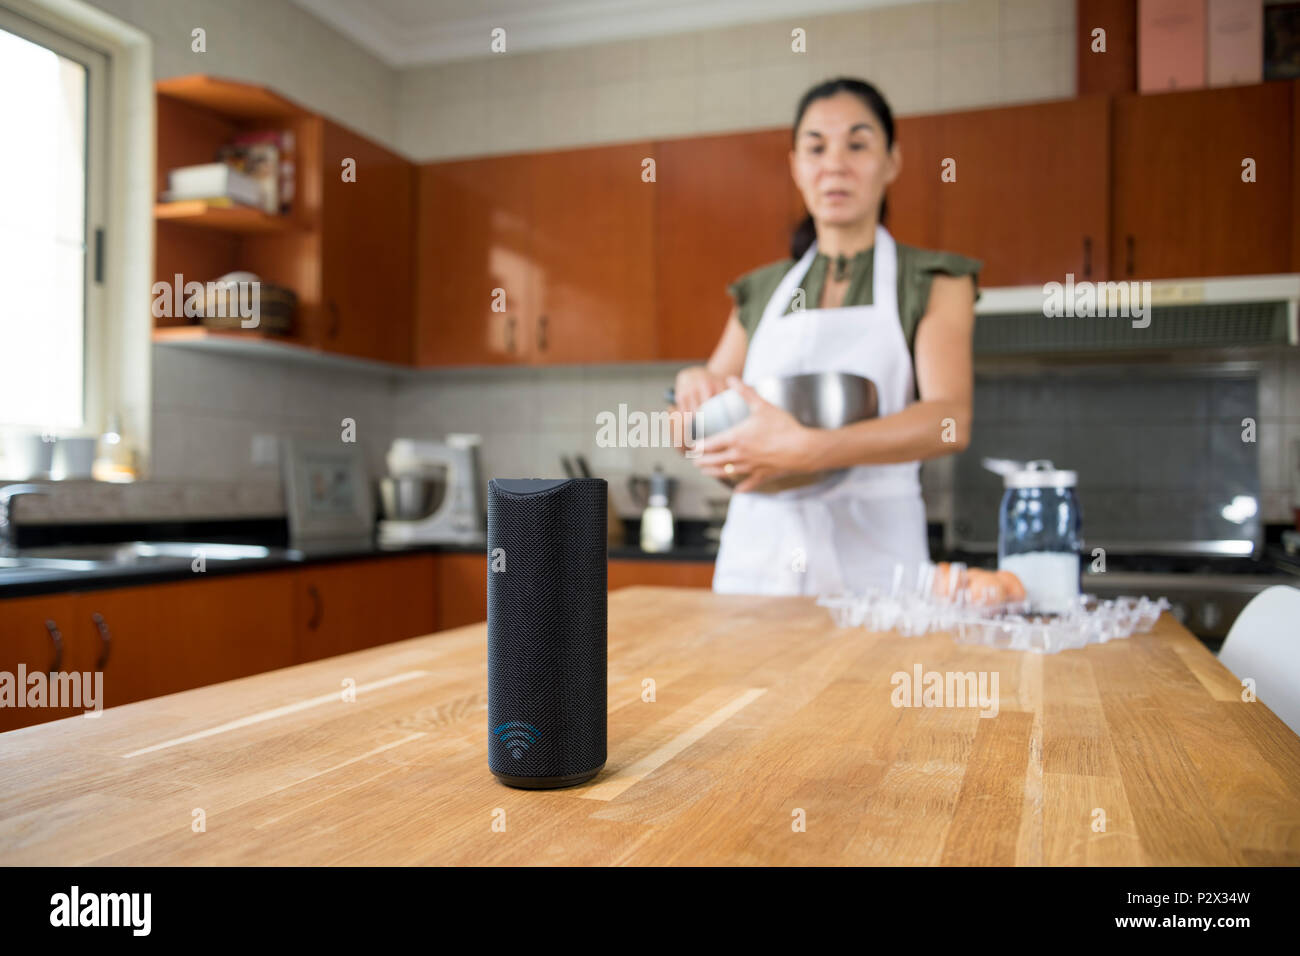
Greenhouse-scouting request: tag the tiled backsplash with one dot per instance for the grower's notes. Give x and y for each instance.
(1160, 453)
(529, 418)
(207, 410)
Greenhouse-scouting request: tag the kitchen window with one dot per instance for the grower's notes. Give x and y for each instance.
(51, 193)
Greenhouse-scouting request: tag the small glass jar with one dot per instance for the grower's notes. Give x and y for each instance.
(1040, 535)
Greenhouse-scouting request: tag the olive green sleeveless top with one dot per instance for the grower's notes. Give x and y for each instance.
(916, 271)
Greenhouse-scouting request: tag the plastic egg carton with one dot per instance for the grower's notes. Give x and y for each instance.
(916, 605)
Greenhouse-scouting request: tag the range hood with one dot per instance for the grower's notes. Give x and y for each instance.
(1131, 317)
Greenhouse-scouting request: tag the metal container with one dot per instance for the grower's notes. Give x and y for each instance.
(815, 399)
(411, 498)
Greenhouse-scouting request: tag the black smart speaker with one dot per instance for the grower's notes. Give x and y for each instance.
(546, 630)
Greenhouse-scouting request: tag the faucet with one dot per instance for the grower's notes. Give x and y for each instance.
(7, 494)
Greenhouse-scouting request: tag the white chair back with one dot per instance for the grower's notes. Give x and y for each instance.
(1264, 644)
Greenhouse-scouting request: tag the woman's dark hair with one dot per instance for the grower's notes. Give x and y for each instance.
(806, 231)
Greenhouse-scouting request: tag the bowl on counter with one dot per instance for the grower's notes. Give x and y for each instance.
(410, 498)
(815, 399)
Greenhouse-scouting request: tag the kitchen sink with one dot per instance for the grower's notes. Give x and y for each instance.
(73, 559)
(45, 564)
(146, 552)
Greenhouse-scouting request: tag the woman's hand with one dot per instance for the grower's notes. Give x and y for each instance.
(767, 444)
(695, 386)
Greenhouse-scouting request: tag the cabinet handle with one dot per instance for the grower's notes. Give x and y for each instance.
(105, 640)
(1128, 254)
(317, 608)
(333, 330)
(510, 333)
(57, 638)
(541, 333)
(1087, 256)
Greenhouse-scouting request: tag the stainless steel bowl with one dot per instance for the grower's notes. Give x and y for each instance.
(815, 399)
(411, 498)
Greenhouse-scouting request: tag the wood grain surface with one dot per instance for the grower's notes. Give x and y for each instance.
(764, 715)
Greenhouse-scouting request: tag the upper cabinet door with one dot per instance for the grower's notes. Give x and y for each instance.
(912, 216)
(368, 232)
(1181, 206)
(1026, 191)
(473, 262)
(593, 244)
(726, 205)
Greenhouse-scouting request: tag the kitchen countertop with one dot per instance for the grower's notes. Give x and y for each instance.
(128, 575)
(763, 710)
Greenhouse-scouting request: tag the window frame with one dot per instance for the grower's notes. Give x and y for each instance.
(97, 64)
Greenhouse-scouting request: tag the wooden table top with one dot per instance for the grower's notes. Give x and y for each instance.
(773, 738)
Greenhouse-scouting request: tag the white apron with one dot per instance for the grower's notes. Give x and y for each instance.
(847, 533)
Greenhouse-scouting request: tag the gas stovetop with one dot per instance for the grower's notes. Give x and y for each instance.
(1207, 593)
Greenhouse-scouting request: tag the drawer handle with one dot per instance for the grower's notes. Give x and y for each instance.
(334, 319)
(510, 334)
(541, 333)
(1129, 255)
(317, 608)
(1087, 257)
(57, 638)
(105, 640)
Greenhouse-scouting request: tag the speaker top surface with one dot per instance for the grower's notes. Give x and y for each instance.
(533, 486)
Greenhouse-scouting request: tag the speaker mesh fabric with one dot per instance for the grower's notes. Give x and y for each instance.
(547, 607)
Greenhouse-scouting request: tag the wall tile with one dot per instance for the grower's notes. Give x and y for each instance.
(909, 78)
(724, 100)
(1035, 67)
(964, 21)
(968, 74)
(908, 26)
(1036, 16)
(675, 55)
(616, 62)
(1291, 385)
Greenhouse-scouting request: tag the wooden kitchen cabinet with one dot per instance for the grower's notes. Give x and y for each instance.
(346, 249)
(593, 250)
(632, 572)
(1030, 195)
(367, 250)
(1295, 176)
(462, 589)
(474, 275)
(725, 205)
(161, 638)
(542, 258)
(912, 207)
(338, 608)
(35, 634)
(1179, 205)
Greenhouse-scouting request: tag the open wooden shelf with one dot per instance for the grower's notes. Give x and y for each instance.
(206, 215)
(250, 343)
(229, 98)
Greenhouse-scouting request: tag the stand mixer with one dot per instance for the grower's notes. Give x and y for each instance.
(433, 492)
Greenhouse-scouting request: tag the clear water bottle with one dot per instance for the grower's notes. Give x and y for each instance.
(1040, 533)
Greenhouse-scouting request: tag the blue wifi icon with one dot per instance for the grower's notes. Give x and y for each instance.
(517, 737)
